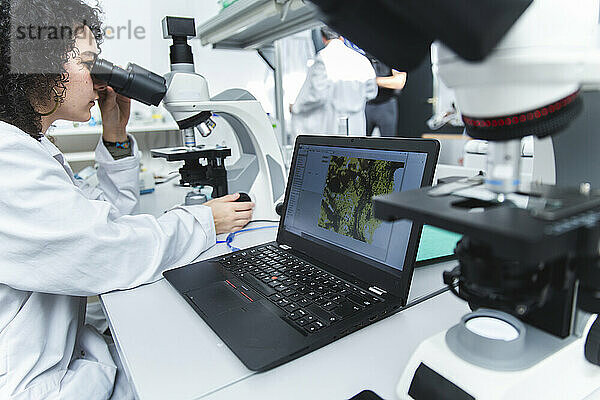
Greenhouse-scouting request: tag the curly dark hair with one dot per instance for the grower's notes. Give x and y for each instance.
(36, 39)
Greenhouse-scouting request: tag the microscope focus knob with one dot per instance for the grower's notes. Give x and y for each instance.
(592, 343)
(279, 208)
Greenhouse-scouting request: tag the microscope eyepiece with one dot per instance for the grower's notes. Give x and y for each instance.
(134, 82)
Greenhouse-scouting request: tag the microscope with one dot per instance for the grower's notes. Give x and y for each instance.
(529, 260)
(260, 169)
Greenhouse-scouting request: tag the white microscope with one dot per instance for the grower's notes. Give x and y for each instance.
(529, 261)
(259, 171)
(536, 71)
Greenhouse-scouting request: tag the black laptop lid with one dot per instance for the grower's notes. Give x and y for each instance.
(329, 214)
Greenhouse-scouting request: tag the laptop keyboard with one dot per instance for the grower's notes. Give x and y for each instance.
(311, 297)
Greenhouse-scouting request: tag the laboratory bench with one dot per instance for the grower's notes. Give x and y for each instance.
(169, 352)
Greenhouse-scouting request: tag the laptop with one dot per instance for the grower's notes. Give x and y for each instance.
(333, 268)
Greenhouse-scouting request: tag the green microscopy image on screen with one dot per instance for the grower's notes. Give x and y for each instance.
(346, 206)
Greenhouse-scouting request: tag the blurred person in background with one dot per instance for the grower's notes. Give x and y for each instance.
(338, 85)
(382, 111)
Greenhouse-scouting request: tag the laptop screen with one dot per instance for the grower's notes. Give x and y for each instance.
(330, 200)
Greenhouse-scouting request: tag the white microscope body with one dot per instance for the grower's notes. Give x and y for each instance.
(565, 374)
(260, 171)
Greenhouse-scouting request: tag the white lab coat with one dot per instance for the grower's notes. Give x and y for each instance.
(338, 85)
(60, 242)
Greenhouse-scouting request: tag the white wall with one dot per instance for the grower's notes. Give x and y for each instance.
(297, 50)
(224, 69)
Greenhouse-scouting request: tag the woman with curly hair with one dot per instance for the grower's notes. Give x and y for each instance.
(61, 241)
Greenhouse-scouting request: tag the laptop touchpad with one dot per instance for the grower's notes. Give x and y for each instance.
(216, 299)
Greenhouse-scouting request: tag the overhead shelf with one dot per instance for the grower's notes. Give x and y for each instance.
(97, 130)
(255, 24)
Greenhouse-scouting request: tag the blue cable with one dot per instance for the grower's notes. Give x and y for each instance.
(231, 236)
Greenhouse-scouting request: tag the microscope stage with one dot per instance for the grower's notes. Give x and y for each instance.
(191, 153)
(545, 228)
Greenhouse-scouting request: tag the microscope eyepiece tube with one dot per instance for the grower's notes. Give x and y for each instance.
(134, 82)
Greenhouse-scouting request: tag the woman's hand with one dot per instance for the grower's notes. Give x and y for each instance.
(115, 110)
(230, 216)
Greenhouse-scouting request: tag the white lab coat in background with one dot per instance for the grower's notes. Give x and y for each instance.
(60, 242)
(338, 85)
